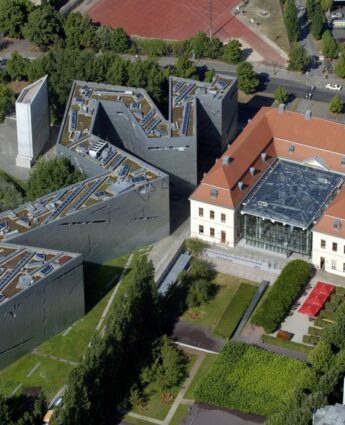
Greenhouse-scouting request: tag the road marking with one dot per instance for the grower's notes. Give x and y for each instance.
(16, 389)
(37, 365)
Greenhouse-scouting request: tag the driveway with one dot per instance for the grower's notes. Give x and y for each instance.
(202, 414)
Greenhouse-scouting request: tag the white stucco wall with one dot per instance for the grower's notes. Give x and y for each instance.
(229, 226)
(337, 257)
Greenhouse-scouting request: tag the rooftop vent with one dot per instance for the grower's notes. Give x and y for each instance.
(263, 156)
(307, 114)
(337, 224)
(240, 185)
(291, 148)
(281, 108)
(227, 160)
(252, 171)
(214, 193)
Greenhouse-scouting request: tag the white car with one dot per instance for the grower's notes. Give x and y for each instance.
(336, 15)
(333, 87)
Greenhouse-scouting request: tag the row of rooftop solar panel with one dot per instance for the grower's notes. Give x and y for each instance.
(185, 119)
(187, 89)
(147, 117)
(21, 263)
(87, 194)
(74, 193)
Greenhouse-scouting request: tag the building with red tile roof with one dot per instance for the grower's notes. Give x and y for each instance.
(279, 186)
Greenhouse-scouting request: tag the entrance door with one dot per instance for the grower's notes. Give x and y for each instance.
(322, 263)
(223, 236)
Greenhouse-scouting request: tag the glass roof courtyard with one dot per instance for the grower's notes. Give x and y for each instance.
(292, 193)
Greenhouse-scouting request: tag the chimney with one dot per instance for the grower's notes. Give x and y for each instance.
(307, 114)
(281, 108)
(252, 171)
(263, 156)
(240, 185)
(227, 160)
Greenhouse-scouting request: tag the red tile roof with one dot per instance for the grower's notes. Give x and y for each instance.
(271, 132)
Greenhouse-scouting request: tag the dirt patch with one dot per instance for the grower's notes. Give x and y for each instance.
(273, 26)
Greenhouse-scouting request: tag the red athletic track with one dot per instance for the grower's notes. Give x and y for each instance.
(179, 19)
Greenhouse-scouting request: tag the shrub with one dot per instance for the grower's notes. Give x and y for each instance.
(337, 298)
(330, 306)
(339, 290)
(321, 356)
(314, 331)
(287, 287)
(195, 246)
(329, 315)
(310, 339)
(321, 323)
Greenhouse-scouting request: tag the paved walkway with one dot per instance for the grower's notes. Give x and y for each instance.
(52, 357)
(197, 336)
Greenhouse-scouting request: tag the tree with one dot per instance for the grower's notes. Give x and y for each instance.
(118, 72)
(185, 68)
(340, 67)
(44, 27)
(202, 46)
(199, 292)
(298, 58)
(317, 22)
(248, 81)
(233, 52)
(79, 31)
(209, 75)
(50, 175)
(281, 95)
(310, 7)
(10, 196)
(6, 101)
(17, 66)
(168, 367)
(329, 45)
(103, 34)
(195, 246)
(336, 105)
(326, 5)
(291, 20)
(119, 41)
(321, 356)
(13, 16)
(101, 65)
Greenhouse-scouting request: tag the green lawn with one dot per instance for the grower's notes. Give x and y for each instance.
(50, 375)
(210, 314)
(180, 413)
(237, 307)
(203, 370)
(157, 409)
(249, 379)
(135, 421)
(301, 348)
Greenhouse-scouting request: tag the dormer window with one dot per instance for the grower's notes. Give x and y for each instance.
(291, 148)
(227, 160)
(213, 193)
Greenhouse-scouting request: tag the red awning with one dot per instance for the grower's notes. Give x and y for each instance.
(309, 310)
(316, 299)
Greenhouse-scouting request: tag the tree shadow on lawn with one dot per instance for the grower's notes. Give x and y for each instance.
(174, 303)
(97, 278)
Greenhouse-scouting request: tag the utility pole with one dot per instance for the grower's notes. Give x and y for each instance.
(210, 12)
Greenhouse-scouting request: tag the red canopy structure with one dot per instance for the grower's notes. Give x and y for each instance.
(316, 299)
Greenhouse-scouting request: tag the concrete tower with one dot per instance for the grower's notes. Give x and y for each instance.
(32, 111)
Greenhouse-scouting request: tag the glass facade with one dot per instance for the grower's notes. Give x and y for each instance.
(275, 236)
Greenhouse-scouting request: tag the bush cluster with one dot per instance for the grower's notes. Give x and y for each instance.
(287, 287)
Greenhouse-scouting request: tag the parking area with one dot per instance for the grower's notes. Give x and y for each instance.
(337, 14)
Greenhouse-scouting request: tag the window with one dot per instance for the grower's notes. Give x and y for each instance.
(334, 265)
(212, 231)
(344, 249)
(201, 229)
(343, 267)
(211, 215)
(323, 243)
(223, 219)
(201, 212)
(334, 246)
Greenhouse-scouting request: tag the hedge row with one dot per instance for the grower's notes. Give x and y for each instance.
(329, 315)
(340, 290)
(280, 299)
(321, 323)
(314, 331)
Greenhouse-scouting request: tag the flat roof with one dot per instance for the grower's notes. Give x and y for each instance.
(22, 267)
(292, 193)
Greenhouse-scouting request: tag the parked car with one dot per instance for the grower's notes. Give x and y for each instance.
(333, 87)
(336, 15)
(3, 61)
